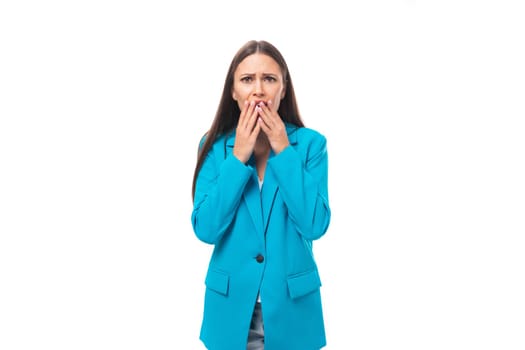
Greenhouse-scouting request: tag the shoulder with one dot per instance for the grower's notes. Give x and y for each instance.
(218, 140)
(309, 143)
(304, 136)
(308, 133)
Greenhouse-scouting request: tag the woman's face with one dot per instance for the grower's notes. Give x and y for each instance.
(258, 78)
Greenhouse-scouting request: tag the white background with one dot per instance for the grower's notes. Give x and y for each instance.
(102, 104)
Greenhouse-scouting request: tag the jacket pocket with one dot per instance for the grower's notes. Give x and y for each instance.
(303, 283)
(218, 281)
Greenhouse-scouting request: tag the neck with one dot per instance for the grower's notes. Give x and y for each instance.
(262, 145)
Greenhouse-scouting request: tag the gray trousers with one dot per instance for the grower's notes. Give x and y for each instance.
(256, 333)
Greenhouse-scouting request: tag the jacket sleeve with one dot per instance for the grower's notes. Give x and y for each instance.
(303, 185)
(218, 192)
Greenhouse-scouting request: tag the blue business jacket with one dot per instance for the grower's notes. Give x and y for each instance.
(263, 242)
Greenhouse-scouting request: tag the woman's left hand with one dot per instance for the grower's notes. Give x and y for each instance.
(273, 126)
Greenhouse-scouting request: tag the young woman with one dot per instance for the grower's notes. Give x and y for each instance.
(260, 196)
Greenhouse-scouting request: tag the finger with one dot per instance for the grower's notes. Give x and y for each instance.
(244, 108)
(263, 125)
(246, 113)
(242, 115)
(256, 129)
(252, 118)
(267, 116)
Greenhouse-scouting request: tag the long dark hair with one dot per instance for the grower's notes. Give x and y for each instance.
(228, 112)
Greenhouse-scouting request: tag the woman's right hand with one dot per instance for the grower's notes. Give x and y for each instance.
(246, 132)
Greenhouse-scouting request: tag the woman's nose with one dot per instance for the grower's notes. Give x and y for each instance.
(258, 88)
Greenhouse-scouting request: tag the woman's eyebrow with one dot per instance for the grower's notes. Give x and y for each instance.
(248, 73)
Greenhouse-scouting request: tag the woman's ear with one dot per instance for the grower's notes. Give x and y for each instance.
(234, 95)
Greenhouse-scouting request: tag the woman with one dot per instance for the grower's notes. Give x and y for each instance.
(260, 196)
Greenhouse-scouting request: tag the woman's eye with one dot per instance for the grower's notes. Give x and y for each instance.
(246, 79)
(272, 79)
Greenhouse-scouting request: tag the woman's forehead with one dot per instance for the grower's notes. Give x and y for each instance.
(258, 63)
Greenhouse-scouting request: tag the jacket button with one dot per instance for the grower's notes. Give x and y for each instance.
(259, 258)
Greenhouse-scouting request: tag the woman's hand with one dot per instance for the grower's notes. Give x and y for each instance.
(246, 133)
(273, 126)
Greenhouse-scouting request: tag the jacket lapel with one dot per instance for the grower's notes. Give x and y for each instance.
(252, 198)
(270, 185)
(252, 194)
(269, 190)
(260, 202)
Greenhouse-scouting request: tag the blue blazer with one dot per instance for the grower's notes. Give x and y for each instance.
(263, 243)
